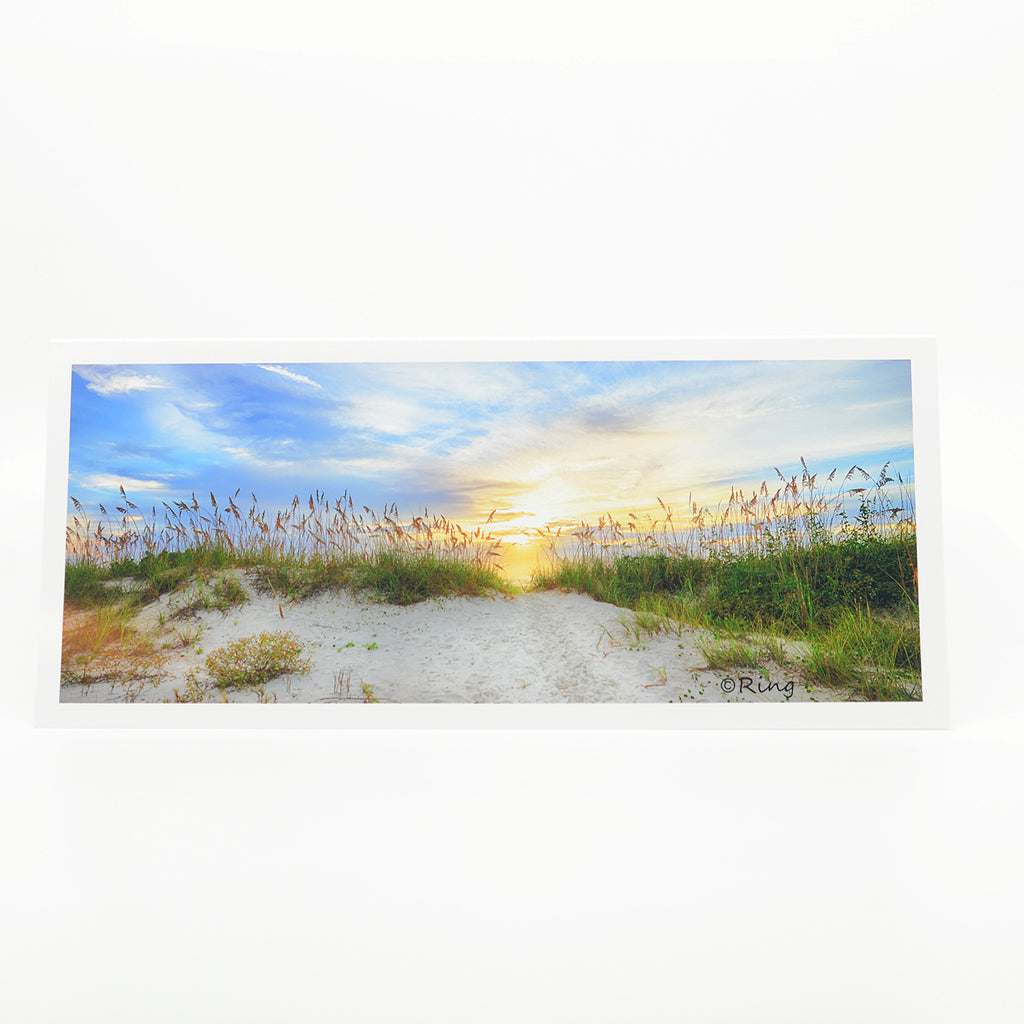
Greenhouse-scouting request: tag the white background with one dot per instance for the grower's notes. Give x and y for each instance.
(467, 169)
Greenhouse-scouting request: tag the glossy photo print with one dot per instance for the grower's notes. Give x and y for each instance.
(667, 533)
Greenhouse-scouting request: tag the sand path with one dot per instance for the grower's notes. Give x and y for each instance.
(548, 647)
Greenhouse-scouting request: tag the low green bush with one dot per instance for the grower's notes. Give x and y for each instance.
(252, 661)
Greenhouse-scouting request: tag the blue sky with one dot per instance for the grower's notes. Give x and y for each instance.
(543, 443)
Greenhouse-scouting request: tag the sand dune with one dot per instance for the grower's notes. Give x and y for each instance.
(547, 647)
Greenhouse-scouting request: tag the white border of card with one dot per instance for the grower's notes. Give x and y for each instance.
(930, 712)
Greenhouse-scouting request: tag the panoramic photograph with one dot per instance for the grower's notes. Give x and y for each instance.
(598, 532)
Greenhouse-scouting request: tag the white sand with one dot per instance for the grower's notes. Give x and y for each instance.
(546, 647)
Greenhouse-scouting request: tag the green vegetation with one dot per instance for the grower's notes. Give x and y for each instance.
(879, 655)
(732, 653)
(198, 556)
(795, 564)
(253, 661)
(313, 546)
(100, 644)
(394, 576)
(202, 594)
(404, 578)
(835, 571)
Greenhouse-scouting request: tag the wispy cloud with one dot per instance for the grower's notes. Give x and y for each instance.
(118, 382)
(388, 414)
(290, 374)
(663, 435)
(108, 482)
(259, 461)
(539, 442)
(186, 431)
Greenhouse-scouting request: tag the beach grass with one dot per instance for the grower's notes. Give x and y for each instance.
(833, 567)
(206, 557)
(313, 546)
(101, 645)
(835, 570)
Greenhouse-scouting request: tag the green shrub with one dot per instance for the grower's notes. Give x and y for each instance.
(250, 662)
